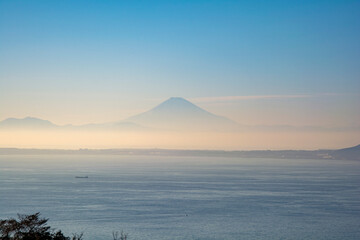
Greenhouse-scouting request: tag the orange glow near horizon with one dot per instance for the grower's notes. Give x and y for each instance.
(178, 140)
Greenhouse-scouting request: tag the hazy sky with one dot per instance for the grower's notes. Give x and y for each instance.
(257, 62)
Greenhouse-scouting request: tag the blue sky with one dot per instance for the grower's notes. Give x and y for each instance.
(79, 61)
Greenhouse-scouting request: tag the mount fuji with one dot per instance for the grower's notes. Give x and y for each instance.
(179, 114)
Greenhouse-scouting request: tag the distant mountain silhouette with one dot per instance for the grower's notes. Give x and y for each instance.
(31, 123)
(179, 114)
(27, 123)
(352, 153)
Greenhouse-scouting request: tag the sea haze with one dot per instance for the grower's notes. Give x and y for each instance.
(173, 124)
(164, 197)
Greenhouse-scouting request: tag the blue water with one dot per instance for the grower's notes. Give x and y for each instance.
(185, 197)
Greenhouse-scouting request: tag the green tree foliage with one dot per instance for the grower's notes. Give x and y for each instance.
(30, 227)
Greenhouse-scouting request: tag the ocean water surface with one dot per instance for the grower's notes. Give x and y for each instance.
(159, 197)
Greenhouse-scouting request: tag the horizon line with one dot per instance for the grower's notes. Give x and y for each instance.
(166, 149)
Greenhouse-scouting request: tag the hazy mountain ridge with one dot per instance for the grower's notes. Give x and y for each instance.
(27, 122)
(118, 126)
(30, 123)
(174, 114)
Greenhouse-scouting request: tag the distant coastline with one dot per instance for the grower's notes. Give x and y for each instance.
(352, 153)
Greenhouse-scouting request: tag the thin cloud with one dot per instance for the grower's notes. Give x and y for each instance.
(240, 98)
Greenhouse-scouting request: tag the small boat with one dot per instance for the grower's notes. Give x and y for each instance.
(81, 177)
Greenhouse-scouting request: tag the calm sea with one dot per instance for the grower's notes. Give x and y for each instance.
(185, 197)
